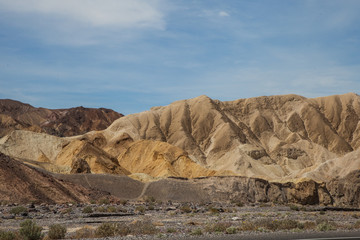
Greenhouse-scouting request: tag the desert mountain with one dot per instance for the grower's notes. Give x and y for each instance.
(275, 137)
(21, 183)
(15, 115)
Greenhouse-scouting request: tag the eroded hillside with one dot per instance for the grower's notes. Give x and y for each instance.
(278, 138)
(15, 115)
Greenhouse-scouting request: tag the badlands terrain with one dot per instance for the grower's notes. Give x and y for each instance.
(266, 151)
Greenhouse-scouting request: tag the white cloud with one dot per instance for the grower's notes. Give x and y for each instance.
(124, 13)
(223, 14)
(83, 22)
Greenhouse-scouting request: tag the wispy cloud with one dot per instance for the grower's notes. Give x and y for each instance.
(83, 22)
(223, 14)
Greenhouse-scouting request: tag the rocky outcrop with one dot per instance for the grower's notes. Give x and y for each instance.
(15, 115)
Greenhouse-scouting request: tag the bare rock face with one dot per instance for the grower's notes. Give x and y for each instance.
(15, 115)
(80, 166)
(278, 138)
(20, 183)
(346, 190)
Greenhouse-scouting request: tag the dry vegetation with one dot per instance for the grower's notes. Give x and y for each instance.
(165, 219)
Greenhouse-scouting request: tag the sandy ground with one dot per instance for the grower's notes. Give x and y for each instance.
(186, 220)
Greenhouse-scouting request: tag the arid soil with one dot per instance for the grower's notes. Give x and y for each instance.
(23, 184)
(171, 220)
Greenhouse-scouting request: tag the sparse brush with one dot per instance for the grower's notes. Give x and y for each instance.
(140, 209)
(196, 232)
(104, 201)
(294, 208)
(218, 227)
(19, 210)
(185, 208)
(7, 235)
(231, 230)
(143, 227)
(30, 231)
(87, 209)
(57, 231)
(85, 232)
(111, 209)
(171, 230)
(106, 230)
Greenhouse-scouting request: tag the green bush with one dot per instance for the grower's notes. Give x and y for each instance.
(196, 232)
(111, 209)
(104, 201)
(19, 210)
(325, 226)
(30, 231)
(7, 235)
(87, 209)
(140, 209)
(231, 230)
(171, 230)
(106, 230)
(218, 227)
(57, 231)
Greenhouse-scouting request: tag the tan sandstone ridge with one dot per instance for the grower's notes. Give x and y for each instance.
(278, 138)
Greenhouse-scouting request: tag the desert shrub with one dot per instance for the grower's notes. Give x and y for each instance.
(325, 226)
(171, 230)
(121, 209)
(309, 225)
(185, 208)
(150, 199)
(67, 210)
(100, 209)
(123, 202)
(213, 210)
(140, 209)
(143, 227)
(7, 235)
(84, 232)
(247, 226)
(357, 224)
(151, 207)
(231, 230)
(122, 229)
(322, 212)
(217, 227)
(19, 210)
(105, 201)
(87, 209)
(106, 230)
(294, 208)
(30, 231)
(196, 232)
(111, 209)
(57, 231)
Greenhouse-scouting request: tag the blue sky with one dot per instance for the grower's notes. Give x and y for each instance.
(131, 55)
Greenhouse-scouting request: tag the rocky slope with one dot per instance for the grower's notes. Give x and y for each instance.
(275, 138)
(20, 183)
(60, 122)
